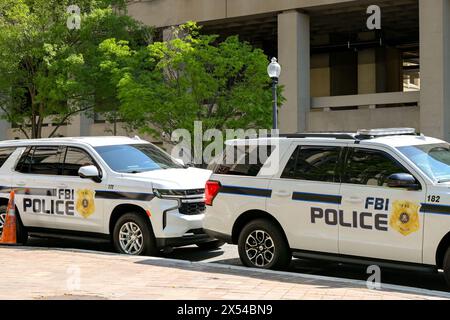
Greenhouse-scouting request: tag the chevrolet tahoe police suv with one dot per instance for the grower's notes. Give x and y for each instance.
(113, 188)
(379, 196)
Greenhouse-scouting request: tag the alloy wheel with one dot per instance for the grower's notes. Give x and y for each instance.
(259, 248)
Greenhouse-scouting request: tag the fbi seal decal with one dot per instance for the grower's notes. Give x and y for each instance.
(85, 202)
(405, 217)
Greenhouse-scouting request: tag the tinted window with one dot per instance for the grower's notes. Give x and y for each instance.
(44, 160)
(5, 153)
(74, 159)
(242, 160)
(136, 158)
(370, 167)
(313, 164)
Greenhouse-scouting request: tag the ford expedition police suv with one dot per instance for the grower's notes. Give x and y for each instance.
(379, 196)
(115, 188)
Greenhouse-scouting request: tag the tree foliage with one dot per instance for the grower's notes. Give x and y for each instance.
(48, 71)
(169, 85)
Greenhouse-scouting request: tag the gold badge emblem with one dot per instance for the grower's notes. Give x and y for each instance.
(405, 217)
(85, 202)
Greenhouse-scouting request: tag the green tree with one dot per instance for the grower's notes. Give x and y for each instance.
(50, 72)
(171, 84)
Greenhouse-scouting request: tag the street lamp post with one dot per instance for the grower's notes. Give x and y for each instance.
(274, 71)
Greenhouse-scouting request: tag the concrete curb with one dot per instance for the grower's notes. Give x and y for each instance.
(359, 283)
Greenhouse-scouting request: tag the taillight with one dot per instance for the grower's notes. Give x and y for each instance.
(212, 188)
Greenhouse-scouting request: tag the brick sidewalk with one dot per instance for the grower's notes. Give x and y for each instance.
(39, 273)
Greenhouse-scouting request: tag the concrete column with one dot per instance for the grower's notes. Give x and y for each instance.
(294, 57)
(80, 125)
(435, 68)
(367, 71)
(4, 127)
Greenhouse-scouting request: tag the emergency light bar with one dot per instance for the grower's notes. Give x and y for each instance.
(386, 132)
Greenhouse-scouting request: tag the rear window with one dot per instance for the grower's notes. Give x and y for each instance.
(5, 153)
(242, 160)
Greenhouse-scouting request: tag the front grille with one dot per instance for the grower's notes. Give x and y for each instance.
(173, 193)
(192, 208)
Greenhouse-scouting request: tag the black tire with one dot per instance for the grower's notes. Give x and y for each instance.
(446, 267)
(21, 231)
(148, 243)
(281, 254)
(211, 245)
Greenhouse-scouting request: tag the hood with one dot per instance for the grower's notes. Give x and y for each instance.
(190, 178)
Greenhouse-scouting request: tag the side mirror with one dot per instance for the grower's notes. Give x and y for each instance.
(89, 172)
(403, 181)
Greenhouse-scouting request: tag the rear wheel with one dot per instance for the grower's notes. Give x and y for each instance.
(262, 245)
(21, 232)
(133, 235)
(210, 245)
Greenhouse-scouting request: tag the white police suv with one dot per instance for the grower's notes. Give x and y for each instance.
(378, 196)
(112, 188)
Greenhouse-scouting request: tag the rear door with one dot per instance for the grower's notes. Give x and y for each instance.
(36, 181)
(378, 221)
(306, 197)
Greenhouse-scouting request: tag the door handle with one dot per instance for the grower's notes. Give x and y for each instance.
(21, 183)
(282, 193)
(354, 200)
(62, 185)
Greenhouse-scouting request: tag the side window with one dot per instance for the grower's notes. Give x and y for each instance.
(5, 153)
(313, 164)
(75, 158)
(23, 165)
(370, 167)
(44, 160)
(242, 160)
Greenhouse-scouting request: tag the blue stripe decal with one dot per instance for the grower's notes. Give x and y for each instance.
(435, 209)
(315, 197)
(246, 191)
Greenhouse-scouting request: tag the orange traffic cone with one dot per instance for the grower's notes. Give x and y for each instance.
(9, 227)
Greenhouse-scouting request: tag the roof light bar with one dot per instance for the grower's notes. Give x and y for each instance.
(386, 132)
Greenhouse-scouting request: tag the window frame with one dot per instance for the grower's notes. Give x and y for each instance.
(337, 177)
(215, 166)
(345, 164)
(26, 154)
(65, 148)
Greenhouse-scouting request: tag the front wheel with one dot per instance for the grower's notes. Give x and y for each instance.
(446, 267)
(262, 245)
(133, 235)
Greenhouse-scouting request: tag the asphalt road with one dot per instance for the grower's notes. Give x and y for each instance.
(228, 255)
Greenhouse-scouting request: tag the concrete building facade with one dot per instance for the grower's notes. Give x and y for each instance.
(337, 73)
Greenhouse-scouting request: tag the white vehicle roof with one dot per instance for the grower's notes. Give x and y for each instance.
(91, 141)
(389, 137)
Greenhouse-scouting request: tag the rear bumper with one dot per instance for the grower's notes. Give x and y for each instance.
(192, 237)
(219, 236)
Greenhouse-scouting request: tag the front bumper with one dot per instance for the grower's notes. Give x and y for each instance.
(191, 237)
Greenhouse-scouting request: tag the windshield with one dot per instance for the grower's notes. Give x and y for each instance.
(432, 159)
(135, 158)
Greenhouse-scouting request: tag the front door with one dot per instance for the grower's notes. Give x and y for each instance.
(305, 197)
(378, 221)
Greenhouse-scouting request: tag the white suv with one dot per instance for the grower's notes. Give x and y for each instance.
(112, 188)
(378, 196)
